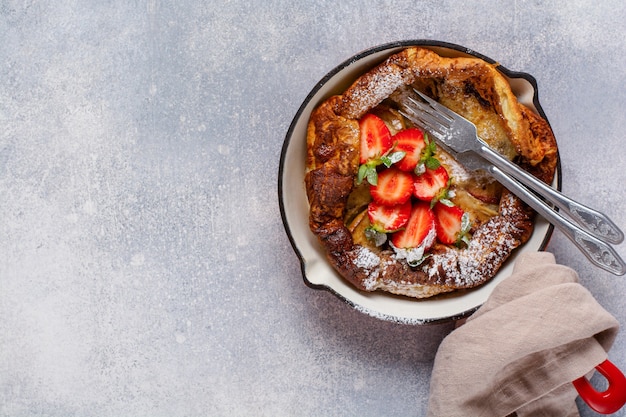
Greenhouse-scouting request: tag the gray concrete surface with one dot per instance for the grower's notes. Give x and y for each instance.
(144, 269)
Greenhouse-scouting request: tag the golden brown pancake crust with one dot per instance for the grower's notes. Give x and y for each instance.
(474, 89)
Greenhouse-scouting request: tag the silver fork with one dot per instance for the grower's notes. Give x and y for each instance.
(459, 137)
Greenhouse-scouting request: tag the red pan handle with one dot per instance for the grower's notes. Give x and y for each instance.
(610, 400)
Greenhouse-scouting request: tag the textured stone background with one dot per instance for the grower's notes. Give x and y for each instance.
(144, 269)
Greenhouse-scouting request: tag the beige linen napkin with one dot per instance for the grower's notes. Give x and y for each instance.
(538, 331)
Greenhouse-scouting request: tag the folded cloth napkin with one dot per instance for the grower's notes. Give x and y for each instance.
(519, 352)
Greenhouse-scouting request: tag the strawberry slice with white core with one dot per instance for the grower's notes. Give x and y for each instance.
(375, 137)
(428, 184)
(449, 221)
(410, 141)
(419, 230)
(388, 218)
(393, 187)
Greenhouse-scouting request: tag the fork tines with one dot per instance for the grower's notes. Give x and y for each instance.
(419, 108)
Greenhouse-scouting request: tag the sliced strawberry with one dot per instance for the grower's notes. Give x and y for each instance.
(393, 187)
(419, 230)
(375, 137)
(388, 218)
(428, 184)
(449, 223)
(410, 141)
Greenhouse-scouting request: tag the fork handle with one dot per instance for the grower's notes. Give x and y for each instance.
(597, 251)
(594, 222)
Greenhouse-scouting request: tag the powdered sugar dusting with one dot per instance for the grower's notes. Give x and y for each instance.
(415, 255)
(379, 86)
(454, 168)
(486, 251)
(366, 258)
(450, 269)
(371, 264)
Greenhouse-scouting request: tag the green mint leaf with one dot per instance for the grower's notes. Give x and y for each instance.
(372, 176)
(432, 162)
(379, 238)
(391, 158)
(361, 174)
(466, 224)
(431, 146)
(427, 157)
(397, 156)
